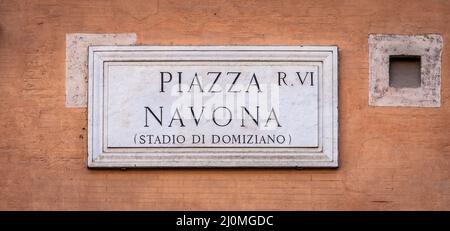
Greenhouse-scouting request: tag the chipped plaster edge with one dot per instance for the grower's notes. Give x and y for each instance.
(76, 62)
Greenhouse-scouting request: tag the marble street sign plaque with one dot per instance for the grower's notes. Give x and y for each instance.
(213, 106)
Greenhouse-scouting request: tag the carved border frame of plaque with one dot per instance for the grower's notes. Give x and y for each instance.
(326, 155)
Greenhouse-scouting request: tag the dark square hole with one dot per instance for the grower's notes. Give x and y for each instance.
(404, 71)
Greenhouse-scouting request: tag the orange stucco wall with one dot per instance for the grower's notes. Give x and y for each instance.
(390, 158)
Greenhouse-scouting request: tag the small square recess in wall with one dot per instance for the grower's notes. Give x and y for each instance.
(405, 70)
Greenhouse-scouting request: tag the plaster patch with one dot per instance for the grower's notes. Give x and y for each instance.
(77, 58)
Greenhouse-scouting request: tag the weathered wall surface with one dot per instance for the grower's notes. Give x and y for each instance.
(390, 158)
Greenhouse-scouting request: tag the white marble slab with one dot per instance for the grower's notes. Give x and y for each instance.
(211, 106)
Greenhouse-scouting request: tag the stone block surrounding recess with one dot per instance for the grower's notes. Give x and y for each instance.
(383, 47)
